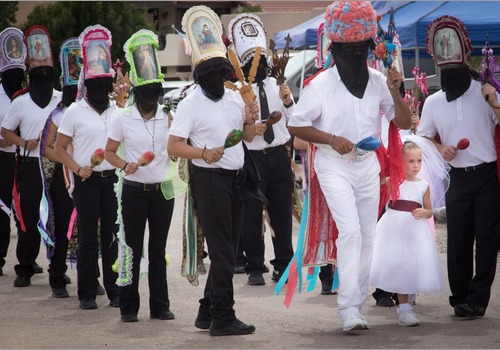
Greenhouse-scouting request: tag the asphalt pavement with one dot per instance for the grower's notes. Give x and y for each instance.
(31, 318)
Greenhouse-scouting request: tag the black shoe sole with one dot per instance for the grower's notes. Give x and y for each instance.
(129, 318)
(88, 307)
(205, 325)
(223, 332)
(165, 318)
(60, 296)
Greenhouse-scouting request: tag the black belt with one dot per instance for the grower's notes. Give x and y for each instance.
(225, 172)
(474, 167)
(404, 205)
(104, 173)
(269, 149)
(7, 154)
(143, 186)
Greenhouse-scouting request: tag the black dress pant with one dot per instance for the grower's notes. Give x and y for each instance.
(7, 165)
(277, 185)
(95, 200)
(62, 205)
(219, 204)
(473, 214)
(139, 206)
(28, 242)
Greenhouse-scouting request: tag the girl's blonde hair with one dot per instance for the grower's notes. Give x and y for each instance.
(410, 145)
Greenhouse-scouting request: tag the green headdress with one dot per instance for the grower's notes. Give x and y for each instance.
(140, 53)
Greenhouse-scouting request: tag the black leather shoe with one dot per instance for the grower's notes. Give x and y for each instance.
(235, 327)
(469, 310)
(202, 321)
(88, 304)
(114, 302)
(256, 279)
(67, 279)
(385, 302)
(164, 315)
(100, 290)
(129, 318)
(326, 287)
(1, 271)
(37, 268)
(60, 292)
(22, 281)
(276, 275)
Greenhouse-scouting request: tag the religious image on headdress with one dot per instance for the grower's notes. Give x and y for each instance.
(204, 33)
(98, 58)
(145, 62)
(447, 45)
(249, 29)
(14, 47)
(38, 46)
(75, 64)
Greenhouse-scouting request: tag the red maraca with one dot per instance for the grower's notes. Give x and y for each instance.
(96, 158)
(463, 144)
(146, 158)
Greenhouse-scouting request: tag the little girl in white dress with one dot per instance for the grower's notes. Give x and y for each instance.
(405, 257)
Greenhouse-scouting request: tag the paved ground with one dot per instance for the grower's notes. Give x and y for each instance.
(31, 318)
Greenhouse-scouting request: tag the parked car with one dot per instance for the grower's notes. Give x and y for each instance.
(169, 86)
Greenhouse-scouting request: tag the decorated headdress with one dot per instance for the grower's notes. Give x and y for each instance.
(38, 43)
(204, 31)
(96, 49)
(71, 60)
(247, 32)
(350, 22)
(140, 53)
(323, 56)
(12, 49)
(448, 42)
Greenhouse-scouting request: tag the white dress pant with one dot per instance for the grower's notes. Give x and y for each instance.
(352, 190)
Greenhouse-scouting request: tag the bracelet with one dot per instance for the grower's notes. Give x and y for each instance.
(245, 123)
(202, 152)
(331, 139)
(289, 105)
(123, 169)
(78, 172)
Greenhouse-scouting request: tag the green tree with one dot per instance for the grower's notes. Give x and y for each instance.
(66, 19)
(8, 11)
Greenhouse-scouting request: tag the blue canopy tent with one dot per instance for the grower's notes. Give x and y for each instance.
(412, 19)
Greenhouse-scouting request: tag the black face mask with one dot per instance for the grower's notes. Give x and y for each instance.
(69, 94)
(41, 85)
(212, 84)
(98, 90)
(455, 82)
(12, 81)
(350, 60)
(262, 69)
(147, 96)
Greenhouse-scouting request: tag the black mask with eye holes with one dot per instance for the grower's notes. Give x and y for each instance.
(212, 84)
(350, 59)
(147, 95)
(12, 81)
(41, 85)
(263, 69)
(455, 82)
(98, 90)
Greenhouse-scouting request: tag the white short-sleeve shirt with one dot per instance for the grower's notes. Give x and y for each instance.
(4, 106)
(88, 130)
(29, 117)
(327, 105)
(136, 137)
(207, 123)
(469, 116)
(281, 134)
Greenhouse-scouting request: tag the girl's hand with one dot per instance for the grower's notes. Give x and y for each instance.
(421, 213)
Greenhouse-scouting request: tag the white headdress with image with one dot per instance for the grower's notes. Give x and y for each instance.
(247, 32)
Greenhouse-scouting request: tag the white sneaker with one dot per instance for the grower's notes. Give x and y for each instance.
(408, 318)
(352, 321)
(365, 321)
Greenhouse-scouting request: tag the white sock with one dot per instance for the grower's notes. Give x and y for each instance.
(404, 307)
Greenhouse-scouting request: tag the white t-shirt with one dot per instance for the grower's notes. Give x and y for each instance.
(136, 137)
(469, 116)
(327, 105)
(88, 130)
(207, 123)
(4, 106)
(25, 114)
(281, 134)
